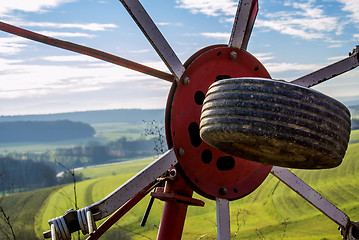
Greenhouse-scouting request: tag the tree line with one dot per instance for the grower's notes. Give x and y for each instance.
(44, 131)
(29, 171)
(17, 175)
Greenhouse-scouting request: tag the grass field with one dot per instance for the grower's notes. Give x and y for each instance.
(270, 212)
(113, 131)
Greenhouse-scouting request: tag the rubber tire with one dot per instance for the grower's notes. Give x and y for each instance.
(276, 123)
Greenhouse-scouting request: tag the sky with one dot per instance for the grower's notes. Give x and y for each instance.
(290, 37)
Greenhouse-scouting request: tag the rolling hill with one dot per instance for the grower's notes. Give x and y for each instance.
(270, 212)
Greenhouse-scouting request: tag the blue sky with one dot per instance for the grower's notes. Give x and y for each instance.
(291, 38)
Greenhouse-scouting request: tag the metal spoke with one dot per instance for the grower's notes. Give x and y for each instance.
(86, 51)
(154, 36)
(243, 23)
(130, 188)
(310, 195)
(223, 219)
(330, 71)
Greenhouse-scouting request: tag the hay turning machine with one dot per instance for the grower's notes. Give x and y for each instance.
(228, 125)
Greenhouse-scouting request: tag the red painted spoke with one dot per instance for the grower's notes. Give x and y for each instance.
(86, 51)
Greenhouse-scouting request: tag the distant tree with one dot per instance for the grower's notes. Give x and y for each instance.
(156, 130)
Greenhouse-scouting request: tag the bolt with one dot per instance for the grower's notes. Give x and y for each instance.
(173, 173)
(233, 55)
(186, 80)
(180, 151)
(223, 191)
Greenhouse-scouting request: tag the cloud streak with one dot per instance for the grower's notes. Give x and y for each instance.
(30, 6)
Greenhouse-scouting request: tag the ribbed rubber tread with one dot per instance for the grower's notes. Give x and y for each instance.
(275, 123)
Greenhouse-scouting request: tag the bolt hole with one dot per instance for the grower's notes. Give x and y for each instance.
(219, 53)
(193, 130)
(196, 180)
(235, 190)
(256, 69)
(225, 163)
(206, 156)
(220, 77)
(199, 97)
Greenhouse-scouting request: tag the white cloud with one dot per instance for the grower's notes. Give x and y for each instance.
(286, 67)
(209, 7)
(351, 6)
(72, 58)
(23, 80)
(304, 20)
(12, 45)
(7, 6)
(66, 34)
(264, 57)
(216, 35)
(82, 26)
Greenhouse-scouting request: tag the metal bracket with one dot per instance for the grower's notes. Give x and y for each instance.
(330, 71)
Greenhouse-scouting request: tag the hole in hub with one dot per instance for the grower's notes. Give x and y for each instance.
(220, 77)
(193, 130)
(206, 156)
(199, 97)
(225, 163)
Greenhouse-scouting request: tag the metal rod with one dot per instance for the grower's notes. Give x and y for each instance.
(330, 71)
(243, 23)
(223, 219)
(129, 189)
(85, 50)
(147, 212)
(154, 36)
(310, 195)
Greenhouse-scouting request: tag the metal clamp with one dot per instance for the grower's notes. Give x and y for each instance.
(86, 221)
(59, 229)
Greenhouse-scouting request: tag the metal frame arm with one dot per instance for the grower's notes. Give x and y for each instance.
(133, 186)
(310, 195)
(154, 36)
(243, 23)
(85, 50)
(330, 71)
(142, 182)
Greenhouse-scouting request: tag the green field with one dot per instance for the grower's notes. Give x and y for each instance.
(270, 212)
(113, 131)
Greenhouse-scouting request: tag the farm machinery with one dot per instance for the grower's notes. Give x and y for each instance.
(228, 126)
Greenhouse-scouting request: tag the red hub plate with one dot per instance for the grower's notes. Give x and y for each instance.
(212, 172)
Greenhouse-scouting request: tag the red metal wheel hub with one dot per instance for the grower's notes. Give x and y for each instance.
(211, 172)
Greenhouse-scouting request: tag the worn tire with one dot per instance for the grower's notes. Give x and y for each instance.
(276, 123)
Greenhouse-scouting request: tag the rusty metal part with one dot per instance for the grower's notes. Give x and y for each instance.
(208, 169)
(275, 123)
(243, 23)
(86, 51)
(154, 36)
(330, 71)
